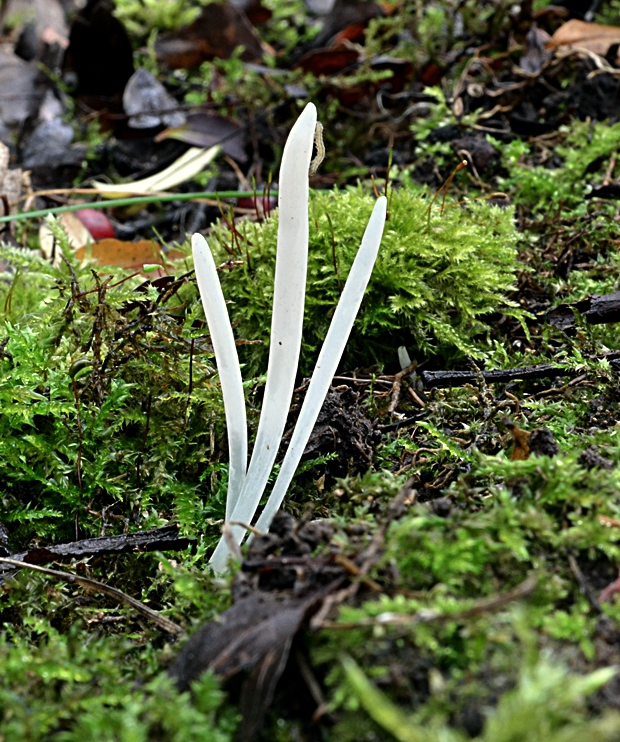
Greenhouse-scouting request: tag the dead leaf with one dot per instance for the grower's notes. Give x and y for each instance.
(538, 442)
(594, 37)
(401, 69)
(204, 129)
(521, 449)
(188, 165)
(346, 13)
(216, 33)
(328, 61)
(537, 54)
(129, 255)
(256, 12)
(76, 232)
(431, 74)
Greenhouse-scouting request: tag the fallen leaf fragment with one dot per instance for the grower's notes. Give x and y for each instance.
(76, 232)
(521, 449)
(595, 37)
(185, 168)
(204, 129)
(537, 52)
(129, 255)
(328, 61)
(217, 32)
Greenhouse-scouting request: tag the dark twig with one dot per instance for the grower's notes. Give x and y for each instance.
(164, 623)
(443, 379)
(485, 605)
(585, 589)
(155, 539)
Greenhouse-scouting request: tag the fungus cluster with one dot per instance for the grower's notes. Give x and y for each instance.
(246, 484)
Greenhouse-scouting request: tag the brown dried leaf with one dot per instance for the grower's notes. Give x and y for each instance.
(217, 32)
(204, 129)
(594, 37)
(521, 448)
(130, 255)
(328, 61)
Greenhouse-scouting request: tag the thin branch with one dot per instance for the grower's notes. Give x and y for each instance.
(164, 623)
(485, 605)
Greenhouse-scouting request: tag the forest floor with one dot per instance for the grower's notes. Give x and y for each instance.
(446, 565)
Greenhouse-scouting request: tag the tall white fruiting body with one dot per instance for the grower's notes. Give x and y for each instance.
(329, 358)
(286, 322)
(245, 490)
(227, 360)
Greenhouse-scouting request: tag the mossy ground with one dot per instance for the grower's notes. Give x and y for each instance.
(111, 421)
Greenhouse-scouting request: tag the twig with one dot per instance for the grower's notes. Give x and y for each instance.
(165, 538)
(583, 584)
(353, 569)
(398, 380)
(485, 605)
(443, 379)
(164, 623)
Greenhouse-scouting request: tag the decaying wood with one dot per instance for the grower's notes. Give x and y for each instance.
(595, 310)
(155, 539)
(443, 379)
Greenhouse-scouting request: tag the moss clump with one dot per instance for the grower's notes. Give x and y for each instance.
(435, 279)
(106, 405)
(584, 150)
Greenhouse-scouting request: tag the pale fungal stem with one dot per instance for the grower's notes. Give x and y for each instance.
(286, 323)
(329, 358)
(320, 149)
(227, 361)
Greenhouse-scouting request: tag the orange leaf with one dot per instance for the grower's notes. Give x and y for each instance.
(594, 37)
(130, 255)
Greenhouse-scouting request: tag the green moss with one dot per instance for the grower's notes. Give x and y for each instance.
(78, 687)
(126, 436)
(435, 281)
(585, 152)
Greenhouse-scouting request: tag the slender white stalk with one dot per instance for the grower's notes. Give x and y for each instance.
(329, 357)
(227, 361)
(286, 322)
